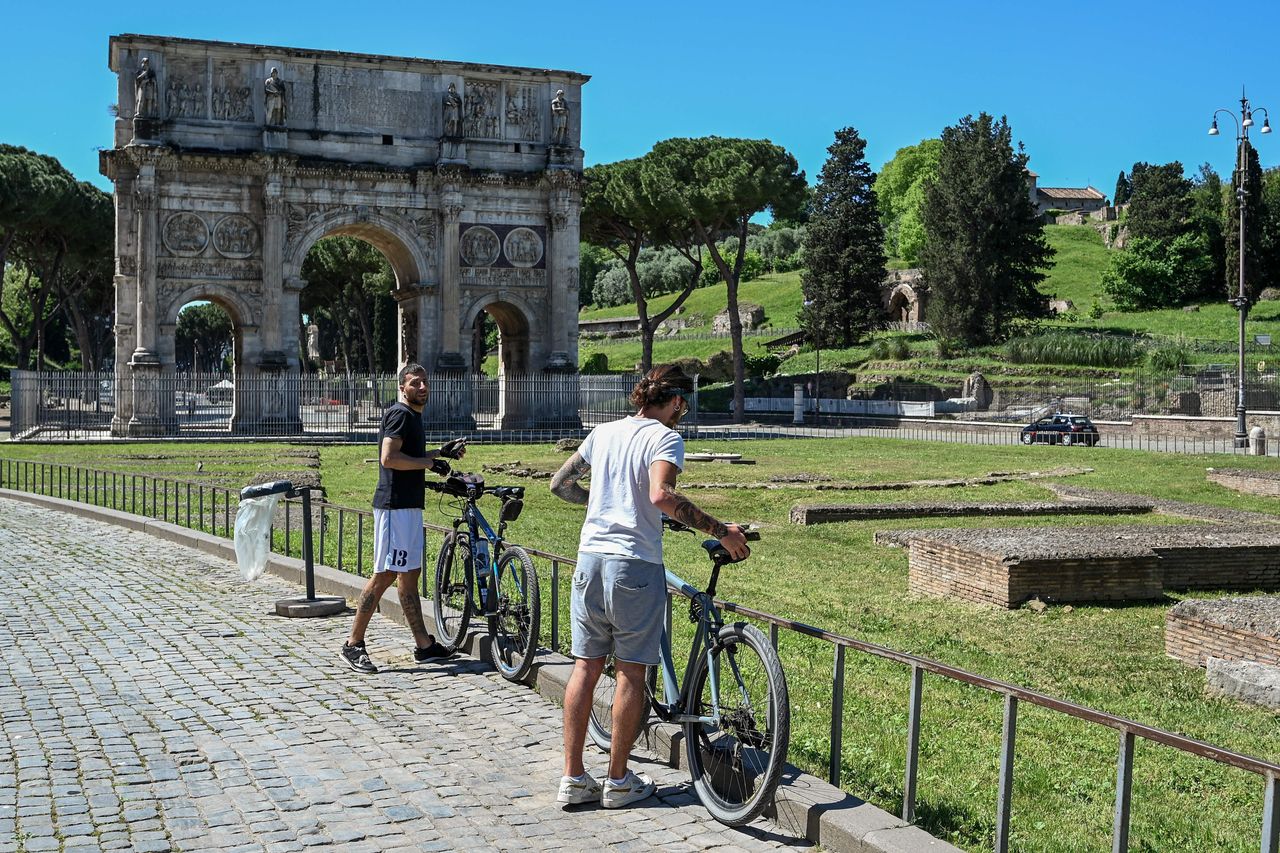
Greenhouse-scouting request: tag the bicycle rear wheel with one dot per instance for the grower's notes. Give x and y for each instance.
(513, 626)
(736, 767)
(600, 724)
(453, 590)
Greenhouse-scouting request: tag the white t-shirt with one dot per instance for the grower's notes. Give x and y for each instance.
(621, 521)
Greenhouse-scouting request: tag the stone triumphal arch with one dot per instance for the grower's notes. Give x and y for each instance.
(231, 160)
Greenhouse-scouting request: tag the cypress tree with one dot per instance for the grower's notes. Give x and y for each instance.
(985, 250)
(843, 248)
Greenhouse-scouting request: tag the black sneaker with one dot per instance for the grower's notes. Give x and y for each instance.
(435, 651)
(357, 658)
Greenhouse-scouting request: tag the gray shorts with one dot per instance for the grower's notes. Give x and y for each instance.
(617, 606)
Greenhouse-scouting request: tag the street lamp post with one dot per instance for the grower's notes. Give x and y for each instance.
(1241, 300)
(817, 368)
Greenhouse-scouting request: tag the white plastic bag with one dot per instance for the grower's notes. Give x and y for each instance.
(253, 534)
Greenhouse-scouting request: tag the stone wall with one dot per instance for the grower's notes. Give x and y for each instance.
(1195, 631)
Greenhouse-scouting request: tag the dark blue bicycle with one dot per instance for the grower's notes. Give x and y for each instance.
(478, 573)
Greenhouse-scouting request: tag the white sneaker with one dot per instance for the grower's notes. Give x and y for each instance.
(574, 791)
(632, 789)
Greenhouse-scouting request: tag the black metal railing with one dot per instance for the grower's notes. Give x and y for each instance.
(338, 526)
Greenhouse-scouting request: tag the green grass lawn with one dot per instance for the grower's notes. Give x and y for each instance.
(835, 577)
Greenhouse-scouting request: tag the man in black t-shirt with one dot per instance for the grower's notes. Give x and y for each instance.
(397, 519)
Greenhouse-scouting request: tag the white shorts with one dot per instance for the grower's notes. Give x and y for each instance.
(397, 540)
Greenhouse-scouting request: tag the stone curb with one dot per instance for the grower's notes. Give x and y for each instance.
(829, 816)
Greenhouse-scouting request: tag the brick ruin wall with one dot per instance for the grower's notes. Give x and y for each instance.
(1193, 639)
(947, 571)
(1246, 483)
(1238, 568)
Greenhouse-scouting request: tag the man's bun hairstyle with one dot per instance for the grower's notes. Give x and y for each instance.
(661, 384)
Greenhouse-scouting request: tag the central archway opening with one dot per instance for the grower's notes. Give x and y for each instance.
(347, 320)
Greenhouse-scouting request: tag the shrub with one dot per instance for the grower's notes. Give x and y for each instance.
(764, 364)
(595, 364)
(1096, 311)
(1074, 348)
(890, 349)
(1169, 357)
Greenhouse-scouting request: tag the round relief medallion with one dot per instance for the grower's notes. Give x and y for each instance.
(185, 234)
(235, 236)
(523, 247)
(480, 246)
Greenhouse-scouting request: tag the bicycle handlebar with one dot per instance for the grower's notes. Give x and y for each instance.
(748, 532)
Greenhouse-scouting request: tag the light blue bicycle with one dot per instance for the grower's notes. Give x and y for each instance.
(733, 703)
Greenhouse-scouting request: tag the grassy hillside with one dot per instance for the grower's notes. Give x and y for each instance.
(1077, 265)
(779, 296)
(1076, 274)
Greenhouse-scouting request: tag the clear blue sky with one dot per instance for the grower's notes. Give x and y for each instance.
(1089, 87)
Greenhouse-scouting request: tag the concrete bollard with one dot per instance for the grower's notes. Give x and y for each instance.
(1257, 441)
(797, 404)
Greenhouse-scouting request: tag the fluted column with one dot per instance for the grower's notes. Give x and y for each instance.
(146, 205)
(450, 356)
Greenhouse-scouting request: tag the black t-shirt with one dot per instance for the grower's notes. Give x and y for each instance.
(401, 489)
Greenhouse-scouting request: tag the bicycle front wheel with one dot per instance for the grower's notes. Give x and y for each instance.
(736, 766)
(513, 626)
(453, 590)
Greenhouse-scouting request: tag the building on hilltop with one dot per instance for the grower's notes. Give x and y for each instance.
(1085, 199)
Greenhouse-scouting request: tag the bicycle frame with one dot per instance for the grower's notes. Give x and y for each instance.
(673, 691)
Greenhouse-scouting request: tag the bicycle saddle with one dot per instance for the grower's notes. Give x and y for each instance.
(509, 491)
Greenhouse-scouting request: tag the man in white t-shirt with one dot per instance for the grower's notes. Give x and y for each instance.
(619, 587)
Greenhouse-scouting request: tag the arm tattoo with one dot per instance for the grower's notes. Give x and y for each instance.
(564, 484)
(686, 513)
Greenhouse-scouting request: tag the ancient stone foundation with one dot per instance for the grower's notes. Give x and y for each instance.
(1008, 567)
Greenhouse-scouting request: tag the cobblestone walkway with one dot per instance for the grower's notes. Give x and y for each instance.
(150, 701)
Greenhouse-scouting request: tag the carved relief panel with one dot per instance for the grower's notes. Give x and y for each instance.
(482, 110)
(232, 99)
(184, 90)
(494, 255)
(524, 113)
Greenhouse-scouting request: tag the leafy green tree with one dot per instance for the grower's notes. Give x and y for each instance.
(711, 187)
(346, 278)
(1255, 220)
(1153, 273)
(1268, 222)
(1170, 220)
(1124, 189)
(627, 206)
(900, 193)
(204, 339)
(985, 250)
(1207, 212)
(1160, 206)
(592, 261)
(843, 247)
(54, 227)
